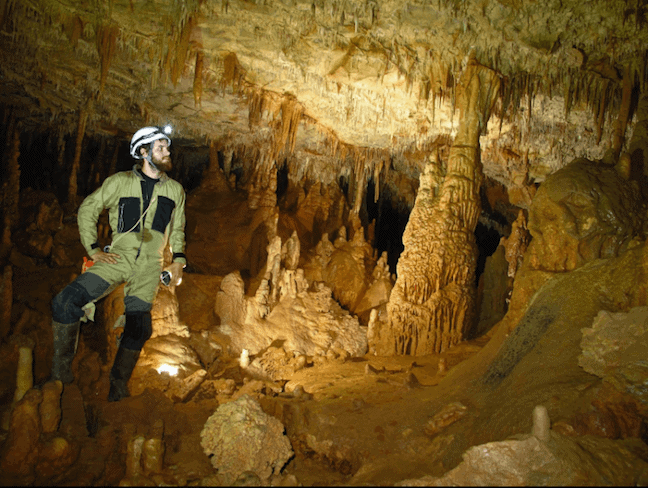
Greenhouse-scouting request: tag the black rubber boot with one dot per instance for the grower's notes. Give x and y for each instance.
(122, 369)
(65, 342)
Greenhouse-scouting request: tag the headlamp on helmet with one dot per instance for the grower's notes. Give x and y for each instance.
(147, 135)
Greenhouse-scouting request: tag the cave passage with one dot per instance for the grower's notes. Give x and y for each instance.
(390, 223)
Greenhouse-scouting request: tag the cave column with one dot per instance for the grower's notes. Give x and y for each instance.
(433, 301)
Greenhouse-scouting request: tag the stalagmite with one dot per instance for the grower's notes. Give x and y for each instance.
(433, 301)
(133, 457)
(21, 447)
(541, 423)
(50, 408)
(227, 161)
(516, 244)
(153, 456)
(24, 375)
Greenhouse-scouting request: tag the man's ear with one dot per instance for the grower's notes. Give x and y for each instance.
(143, 152)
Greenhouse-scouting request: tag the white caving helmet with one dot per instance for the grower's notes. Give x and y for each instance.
(146, 135)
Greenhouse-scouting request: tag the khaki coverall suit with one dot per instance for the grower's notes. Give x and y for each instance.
(139, 241)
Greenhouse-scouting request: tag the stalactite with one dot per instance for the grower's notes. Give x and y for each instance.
(81, 126)
(106, 41)
(181, 50)
(602, 105)
(291, 112)
(618, 135)
(233, 72)
(256, 107)
(568, 94)
(198, 79)
(6, 12)
(74, 29)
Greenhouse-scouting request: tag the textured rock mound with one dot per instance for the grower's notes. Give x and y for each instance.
(562, 461)
(614, 348)
(308, 323)
(582, 212)
(240, 437)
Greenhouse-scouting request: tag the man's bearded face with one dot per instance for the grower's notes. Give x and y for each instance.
(161, 156)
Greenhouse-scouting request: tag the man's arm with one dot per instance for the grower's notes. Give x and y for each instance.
(88, 215)
(177, 235)
(177, 240)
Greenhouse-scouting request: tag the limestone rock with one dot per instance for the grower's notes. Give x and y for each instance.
(54, 456)
(230, 301)
(346, 277)
(73, 416)
(276, 364)
(50, 408)
(169, 350)
(240, 437)
(495, 290)
(40, 208)
(310, 323)
(20, 452)
(34, 242)
(20, 260)
(165, 316)
(180, 391)
(448, 415)
(614, 349)
(563, 461)
(582, 212)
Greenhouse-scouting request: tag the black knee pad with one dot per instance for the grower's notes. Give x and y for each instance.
(66, 306)
(137, 330)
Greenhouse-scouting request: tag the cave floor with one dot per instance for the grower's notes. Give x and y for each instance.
(360, 421)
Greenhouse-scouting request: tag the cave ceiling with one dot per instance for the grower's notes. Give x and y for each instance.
(319, 79)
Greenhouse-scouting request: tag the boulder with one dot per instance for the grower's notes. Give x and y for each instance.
(239, 437)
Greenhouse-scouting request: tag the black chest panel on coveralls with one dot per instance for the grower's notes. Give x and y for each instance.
(148, 184)
(147, 191)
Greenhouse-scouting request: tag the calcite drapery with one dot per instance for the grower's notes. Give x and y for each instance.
(432, 303)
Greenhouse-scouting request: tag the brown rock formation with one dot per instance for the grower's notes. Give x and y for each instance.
(432, 304)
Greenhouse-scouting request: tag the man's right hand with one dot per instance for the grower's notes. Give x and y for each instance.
(105, 257)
